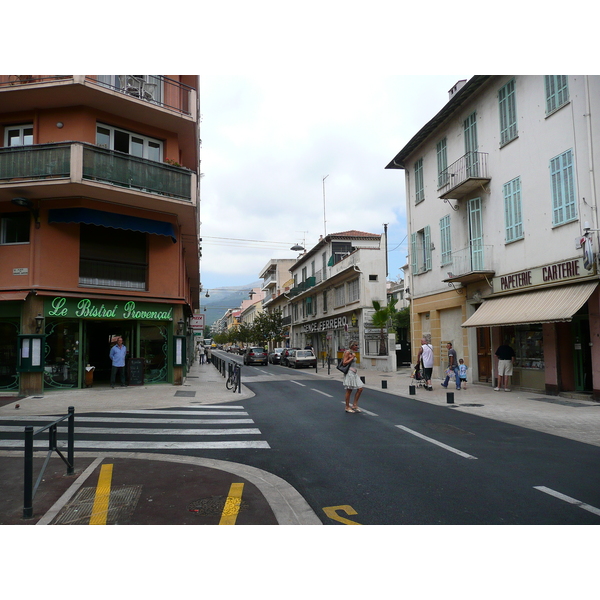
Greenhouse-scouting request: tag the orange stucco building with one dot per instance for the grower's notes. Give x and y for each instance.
(99, 227)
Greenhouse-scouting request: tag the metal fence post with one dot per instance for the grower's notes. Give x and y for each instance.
(28, 481)
(71, 442)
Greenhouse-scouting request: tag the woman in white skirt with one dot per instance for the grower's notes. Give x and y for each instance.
(351, 380)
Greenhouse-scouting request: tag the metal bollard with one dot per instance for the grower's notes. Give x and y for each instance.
(383, 384)
(363, 379)
(449, 397)
(411, 390)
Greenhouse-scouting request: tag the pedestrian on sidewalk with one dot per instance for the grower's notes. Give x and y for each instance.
(452, 367)
(462, 371)
(117, 355)
(506, 360)
(351, 379)
(208, 355)
(201, 354)
(426, 357)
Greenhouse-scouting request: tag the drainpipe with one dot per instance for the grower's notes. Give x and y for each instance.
(588, 112)
(386, 250)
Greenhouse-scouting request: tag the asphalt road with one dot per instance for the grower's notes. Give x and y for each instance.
(406, 462)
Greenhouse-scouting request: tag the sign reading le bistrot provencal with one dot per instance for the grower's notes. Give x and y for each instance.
(85, 308)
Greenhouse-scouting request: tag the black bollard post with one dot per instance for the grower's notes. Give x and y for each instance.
(383, 384)
(449, 397)
(362, 379)
(411, 390)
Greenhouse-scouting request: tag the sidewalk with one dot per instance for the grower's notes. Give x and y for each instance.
(145, 488)
(188, 490)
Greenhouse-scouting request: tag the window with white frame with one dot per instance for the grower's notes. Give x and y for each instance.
(557, 92)
(353, 290)
(420, 250)
(18, 135)
(513, 219)
(338, 296)
(446, 240)
(129, 142)
(442, 163)
(508, 112)
(564, 207)
(419, 185)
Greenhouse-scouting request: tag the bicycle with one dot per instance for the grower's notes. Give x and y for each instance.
(233, 381)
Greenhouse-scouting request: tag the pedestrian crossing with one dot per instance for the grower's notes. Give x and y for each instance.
(207, 427)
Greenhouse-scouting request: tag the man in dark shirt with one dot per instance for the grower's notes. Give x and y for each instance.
(452, 365)
(506, 360)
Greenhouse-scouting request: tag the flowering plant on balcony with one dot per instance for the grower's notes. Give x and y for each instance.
(172, 162)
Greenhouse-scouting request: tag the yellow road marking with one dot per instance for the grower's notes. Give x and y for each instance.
(102, 497)
(232, 504)
(331, 512)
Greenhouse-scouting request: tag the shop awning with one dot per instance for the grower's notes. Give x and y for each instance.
(7, 296)
(542, 306)
(90, 216)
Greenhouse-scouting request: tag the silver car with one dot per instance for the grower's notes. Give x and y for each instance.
(302, 358)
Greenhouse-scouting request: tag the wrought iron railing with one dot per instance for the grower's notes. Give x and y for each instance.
(476, 257)
(471, 165)
(35, 162)
(125, 170)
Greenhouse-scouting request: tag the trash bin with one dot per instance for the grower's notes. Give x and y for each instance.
(89, 376)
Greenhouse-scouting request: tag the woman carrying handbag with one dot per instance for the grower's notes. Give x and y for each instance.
(351, 379)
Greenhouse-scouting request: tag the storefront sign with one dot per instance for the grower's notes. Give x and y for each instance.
(553, 273)
(85, 308)
(325, 325)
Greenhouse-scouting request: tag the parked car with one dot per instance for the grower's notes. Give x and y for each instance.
(233, 349)
(283, 361)
(275, 356)
(302, 358)
(255, 355)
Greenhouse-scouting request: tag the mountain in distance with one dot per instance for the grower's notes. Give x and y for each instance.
(221, 299)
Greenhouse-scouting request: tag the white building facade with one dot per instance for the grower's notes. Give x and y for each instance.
(331, 301)
(502, 194)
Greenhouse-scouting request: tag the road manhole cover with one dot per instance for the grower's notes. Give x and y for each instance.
(212, 506)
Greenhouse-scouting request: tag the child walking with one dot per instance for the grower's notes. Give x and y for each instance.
(462, 374)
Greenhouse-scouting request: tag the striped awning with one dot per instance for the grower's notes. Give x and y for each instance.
(543, 306)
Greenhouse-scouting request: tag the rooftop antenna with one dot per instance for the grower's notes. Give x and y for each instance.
(324, 220)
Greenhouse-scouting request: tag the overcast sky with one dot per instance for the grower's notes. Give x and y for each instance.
(269, 141)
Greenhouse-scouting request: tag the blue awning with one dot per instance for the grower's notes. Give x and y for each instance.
(90, 216)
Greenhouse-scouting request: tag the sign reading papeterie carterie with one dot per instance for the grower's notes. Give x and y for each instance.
(82, 308)
(552, 273)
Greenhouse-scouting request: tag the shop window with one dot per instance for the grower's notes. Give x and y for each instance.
(14, 228)
(153, 349)
(112, 258)
(61, 368)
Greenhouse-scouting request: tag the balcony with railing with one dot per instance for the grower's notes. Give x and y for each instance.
(464, 176)
(470, 264)
(156, 90)
(75, 164)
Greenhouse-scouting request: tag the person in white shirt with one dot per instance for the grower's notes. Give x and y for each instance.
(426, 356)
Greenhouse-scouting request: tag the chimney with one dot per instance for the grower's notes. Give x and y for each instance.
(457, 86)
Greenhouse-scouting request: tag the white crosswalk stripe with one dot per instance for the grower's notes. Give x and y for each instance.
(122, 430)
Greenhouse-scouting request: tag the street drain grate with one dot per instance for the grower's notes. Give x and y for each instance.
(121, 505)
(186, 394)
(208, 507)
(471, 405)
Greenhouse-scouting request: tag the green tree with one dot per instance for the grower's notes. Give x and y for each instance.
(268, 327)
(382, 318)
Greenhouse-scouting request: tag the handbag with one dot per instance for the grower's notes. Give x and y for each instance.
(343, 368)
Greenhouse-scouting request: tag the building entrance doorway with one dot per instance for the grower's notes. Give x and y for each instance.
(582, 353)
(484, 354)
(100, 337)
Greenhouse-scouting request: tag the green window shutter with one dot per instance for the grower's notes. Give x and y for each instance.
(413, 253)
(331, 261)
(427, 244)
(446, 240)
(557, 91)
